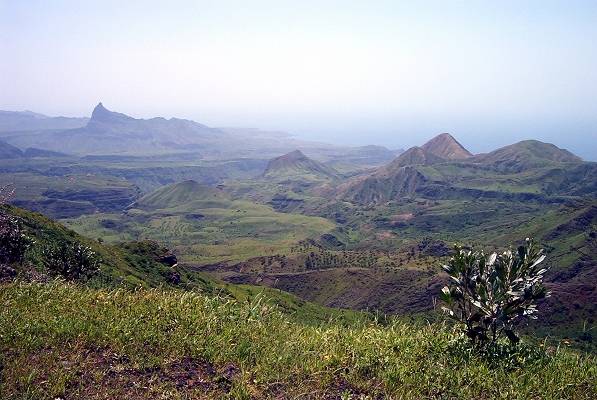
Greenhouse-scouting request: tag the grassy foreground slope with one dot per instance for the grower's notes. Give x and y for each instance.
(129, 264)
(141, 264)
(71, 341)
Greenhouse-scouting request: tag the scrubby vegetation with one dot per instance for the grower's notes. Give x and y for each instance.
(71, 341)
(489, 294)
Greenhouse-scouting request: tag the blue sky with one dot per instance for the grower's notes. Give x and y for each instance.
(351, 72)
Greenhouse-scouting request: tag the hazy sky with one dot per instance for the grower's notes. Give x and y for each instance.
(355, 72)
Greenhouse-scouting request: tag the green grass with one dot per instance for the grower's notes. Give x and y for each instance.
(75, 342)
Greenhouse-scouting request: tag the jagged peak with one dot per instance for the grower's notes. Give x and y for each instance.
(99, 110)
(101, 113)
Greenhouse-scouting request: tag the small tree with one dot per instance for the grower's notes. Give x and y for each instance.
(489, 294)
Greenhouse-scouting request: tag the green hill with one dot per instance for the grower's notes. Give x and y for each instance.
(180, 194)
(297, 166)
(527, 154)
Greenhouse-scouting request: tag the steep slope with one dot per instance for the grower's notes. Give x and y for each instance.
(179, 194)
(525, 155)
(9, 151)
(446, 147)
(414, 156)
(382, 186)
(295, 165)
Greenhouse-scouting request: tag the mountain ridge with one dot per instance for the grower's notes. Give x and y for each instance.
(421, 170)
(112, 133)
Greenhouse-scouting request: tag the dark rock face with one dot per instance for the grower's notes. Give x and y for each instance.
(168, 259)
(102, 114)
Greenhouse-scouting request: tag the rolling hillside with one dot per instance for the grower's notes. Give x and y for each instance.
(525, 155)
(181, 194)
(203, 224)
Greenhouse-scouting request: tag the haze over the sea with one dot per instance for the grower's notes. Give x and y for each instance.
(349, 72)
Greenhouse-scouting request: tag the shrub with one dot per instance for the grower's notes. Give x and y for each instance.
(13, 241)
(70, 260)
(489, 294)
